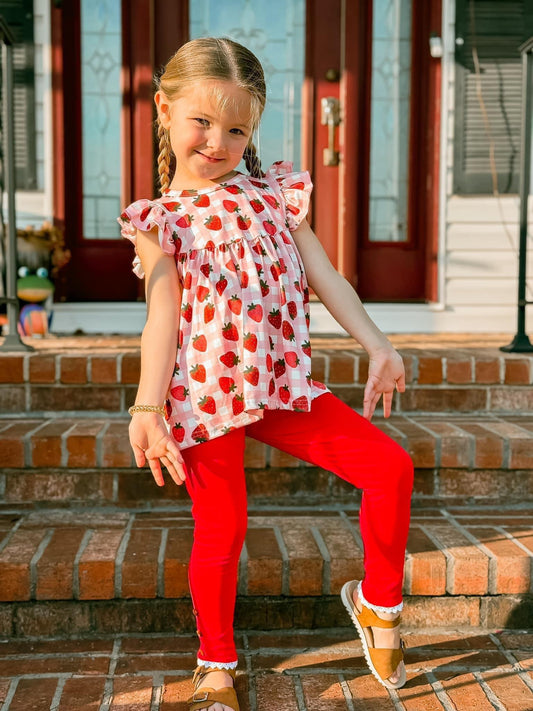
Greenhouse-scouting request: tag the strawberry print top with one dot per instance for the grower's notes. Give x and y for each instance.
(243, 342)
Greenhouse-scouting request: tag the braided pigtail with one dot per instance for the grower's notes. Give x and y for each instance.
(251, 159)
(163, 159)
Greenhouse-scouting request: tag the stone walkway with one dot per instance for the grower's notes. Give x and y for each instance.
(293, 670)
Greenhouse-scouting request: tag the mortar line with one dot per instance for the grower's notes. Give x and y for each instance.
(285, 562)
(243, 571)
(326, 558)
(35, 559)
(10, 694)
(158, 681)
(440, 693)
(347, 693)
(450, 560)
(299, 693)
(54, 705)
(493, 560)
(161, 563)
(99, 444)
(354, 529)
(107, 699)
(489, 693)
(515, 663)
(75, 570)
(121, 552)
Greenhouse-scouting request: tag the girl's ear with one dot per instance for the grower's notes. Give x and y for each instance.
(163, 108)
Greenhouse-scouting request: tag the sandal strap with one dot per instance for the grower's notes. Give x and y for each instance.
(385, 661)
(201, 671)
(203, 698)
(368, 618)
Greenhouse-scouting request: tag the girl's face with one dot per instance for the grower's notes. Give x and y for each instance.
(208, 142)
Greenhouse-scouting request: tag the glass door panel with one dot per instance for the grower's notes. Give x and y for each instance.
(275, 32)
(101, 57)
(390, 120)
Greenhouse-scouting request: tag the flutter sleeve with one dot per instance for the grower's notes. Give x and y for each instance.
(144, 215)
(296, 189)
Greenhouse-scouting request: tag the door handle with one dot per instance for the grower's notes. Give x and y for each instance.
(331, 117)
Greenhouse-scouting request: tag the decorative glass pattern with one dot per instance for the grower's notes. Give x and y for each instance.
(101, 57)
(390, 106)
(275, 32)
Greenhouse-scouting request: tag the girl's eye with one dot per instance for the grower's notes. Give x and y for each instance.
(202, 121)
(237, 131)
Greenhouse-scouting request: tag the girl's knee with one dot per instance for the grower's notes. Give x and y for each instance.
(397, 466)
(223, 527)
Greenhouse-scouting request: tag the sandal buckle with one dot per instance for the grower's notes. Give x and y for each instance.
(195, 696)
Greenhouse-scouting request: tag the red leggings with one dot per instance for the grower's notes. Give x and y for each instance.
(331, 436)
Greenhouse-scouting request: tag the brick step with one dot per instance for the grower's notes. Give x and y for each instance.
(105, 381)
(120, 571)
(89, 461)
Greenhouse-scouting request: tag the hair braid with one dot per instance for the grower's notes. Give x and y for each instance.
(251, 159)
(163, 159)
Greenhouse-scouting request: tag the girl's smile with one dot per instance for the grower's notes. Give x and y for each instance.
(209, 127)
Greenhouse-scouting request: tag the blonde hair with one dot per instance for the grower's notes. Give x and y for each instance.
(211, 58)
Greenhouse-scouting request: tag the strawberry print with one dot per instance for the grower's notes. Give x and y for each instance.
(178, 432)
(202, 201)
(213, 223)
(202, 292)
(185, 221)
(292, 309)
(186, 312)
(230, 332)
(230, 359)
(279, 368)
(200, 434)
(301, 404)
(180, 392)
(221, 284)
(209, 312)
(197, 372)
(237, 404)
(274, 317)
(292, 359)
(200, 343)
(230, 205)
(243, 222)
(257, 206)
(284, 393)
(250, 342)
(271, 201)
(255, 312)
(251, 374)
(235, 305)
(243, 318)
(227, 385)
(270, 227)
(207, 404)
(287, 331)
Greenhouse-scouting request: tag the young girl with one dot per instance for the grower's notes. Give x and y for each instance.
(225, 353)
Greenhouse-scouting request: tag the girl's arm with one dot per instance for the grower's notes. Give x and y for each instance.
(148, 434)
(386, 372)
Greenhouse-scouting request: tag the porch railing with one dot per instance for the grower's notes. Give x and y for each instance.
(521, 342)
(12, 341)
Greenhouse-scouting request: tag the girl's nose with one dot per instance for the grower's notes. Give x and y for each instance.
(215, 140)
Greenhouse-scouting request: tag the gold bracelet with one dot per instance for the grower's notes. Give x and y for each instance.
(146, 408)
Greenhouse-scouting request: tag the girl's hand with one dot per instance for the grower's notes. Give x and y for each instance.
(151, 442)
(385, 374)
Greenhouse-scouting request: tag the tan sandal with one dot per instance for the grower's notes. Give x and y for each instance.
(381, 662)
(204, 697)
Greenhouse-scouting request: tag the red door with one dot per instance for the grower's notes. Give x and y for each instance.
(376, 211)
